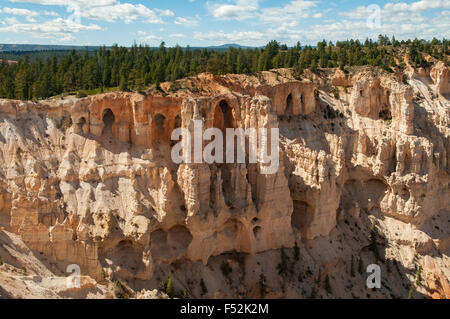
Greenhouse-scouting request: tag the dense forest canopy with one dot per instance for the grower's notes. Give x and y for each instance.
(139, 67)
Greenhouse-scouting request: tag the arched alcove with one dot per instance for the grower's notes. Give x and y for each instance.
(302, 215)
(257, 231)
(289, 105)
(177, 122)
(302, 104)
(108, 120)
(160, 121)
(80, 123)
(223, 116)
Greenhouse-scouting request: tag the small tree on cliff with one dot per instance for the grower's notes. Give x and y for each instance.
(169, 287)
(419, 276)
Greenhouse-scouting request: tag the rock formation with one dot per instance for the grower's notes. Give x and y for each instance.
(91, 182)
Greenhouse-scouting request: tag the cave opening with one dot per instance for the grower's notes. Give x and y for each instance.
(289, 105)
(302, 215)
(257, 231)
(177, 122)
(160, 122)
(81, 123)
(223, 116)
(108, 121)
(223, 119)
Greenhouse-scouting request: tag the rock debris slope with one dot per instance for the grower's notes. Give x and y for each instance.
(363, 179)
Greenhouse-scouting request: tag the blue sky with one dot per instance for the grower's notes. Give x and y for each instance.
(215, 22)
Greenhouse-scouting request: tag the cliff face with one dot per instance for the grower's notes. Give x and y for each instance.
(91, 182)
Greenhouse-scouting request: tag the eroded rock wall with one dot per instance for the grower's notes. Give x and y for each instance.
(92, 182)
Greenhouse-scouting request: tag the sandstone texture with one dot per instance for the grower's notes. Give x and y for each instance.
(91, 182)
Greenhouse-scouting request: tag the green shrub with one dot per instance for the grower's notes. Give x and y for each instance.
(313, 294)
(81, 95)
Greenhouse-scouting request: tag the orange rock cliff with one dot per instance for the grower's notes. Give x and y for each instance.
(91, 182)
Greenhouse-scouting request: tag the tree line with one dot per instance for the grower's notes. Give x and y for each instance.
(139, 67)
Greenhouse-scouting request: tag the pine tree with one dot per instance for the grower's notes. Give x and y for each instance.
(360, 266)
(296, 252)
(352, 268)
(411, 293)
(373, 242)
(328, 285)
(419, 276)
(50, 73)
(123, 83)
(169, 287)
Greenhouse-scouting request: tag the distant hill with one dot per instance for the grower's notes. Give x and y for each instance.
(231, 45)
(38, 47)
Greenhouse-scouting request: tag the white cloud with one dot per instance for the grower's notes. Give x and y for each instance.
(51, 13)
(221, 37)
(418, 6)
(247, 9)
(187, 22)
(19, 12)
(165, 13)
(239, 10)
(57, 25)
(108, 10)
(126, 12)
(291, 12)
(54, 29)
(317, 16)
(81, 3)
(400, 11)
(149, 38)
(12, 20)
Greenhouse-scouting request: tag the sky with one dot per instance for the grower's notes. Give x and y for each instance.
(217, 22)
